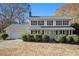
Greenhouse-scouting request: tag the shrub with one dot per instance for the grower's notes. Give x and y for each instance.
(24, 37)
(4, 36)
(31, 38)
(64, 40)
(38, 38)
(69, 39)
(45, 38)
(75, 38)
(78, 38)
(72, 39)
(58, 38)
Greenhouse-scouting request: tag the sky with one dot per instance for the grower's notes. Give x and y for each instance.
(44, 9)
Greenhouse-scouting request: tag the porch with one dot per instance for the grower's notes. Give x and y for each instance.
(52, 32)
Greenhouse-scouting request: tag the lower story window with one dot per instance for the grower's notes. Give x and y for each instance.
(63, 32)
(60, 32)
(71, 32)
(56, 32)
(39, 32)
(33, 31)
(67, 32)
(42, 31)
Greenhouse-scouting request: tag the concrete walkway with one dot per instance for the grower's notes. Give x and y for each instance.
(7, 43)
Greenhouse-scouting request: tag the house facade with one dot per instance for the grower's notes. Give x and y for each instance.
(50, 25)
(45, 25)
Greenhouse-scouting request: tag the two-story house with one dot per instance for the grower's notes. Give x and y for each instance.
(45, 25)
(50, 25)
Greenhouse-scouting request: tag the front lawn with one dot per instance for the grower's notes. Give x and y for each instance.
(40, 49)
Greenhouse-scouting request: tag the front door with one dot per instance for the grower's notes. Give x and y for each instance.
(52, 33)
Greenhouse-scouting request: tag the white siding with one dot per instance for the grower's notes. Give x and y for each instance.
(54, 22)
(45, 22)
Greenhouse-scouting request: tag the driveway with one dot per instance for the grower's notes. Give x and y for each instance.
(7, 43)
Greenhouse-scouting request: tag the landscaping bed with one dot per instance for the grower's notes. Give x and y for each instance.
(70, 39)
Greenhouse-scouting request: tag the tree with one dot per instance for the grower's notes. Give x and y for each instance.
(76, 26)
(13, 12)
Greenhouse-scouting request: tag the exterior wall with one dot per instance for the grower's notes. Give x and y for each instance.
(45, 22)
(51, 31)
(16, 31)
(15, 34)
(54, 23)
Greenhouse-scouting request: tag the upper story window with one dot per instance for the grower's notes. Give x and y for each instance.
(50, 22)
(58, 22)
(40, 22)
(65, 22)
(33, 22)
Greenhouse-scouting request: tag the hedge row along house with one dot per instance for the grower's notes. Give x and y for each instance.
(45, 25)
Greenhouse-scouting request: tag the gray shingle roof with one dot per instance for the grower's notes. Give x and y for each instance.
(56, 27)
(50, 17)
(52, 27)
(17, 26)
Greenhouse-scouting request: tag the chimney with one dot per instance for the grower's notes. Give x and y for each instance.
(30, 13)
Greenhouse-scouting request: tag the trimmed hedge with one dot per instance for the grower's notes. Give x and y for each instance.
(75, 38)
(24, 37)
(72, 39)
(35, 38)
(45, 38)
(58, 38)
(31, 38)
(38, 38)
(28, 37)
(4, 36)
(64, 39)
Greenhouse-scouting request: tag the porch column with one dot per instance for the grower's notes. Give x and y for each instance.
(45, 32)
(62, 31)
(71, 31)
(58, 31)
(68, 32)
(37, 31)
(65, 31)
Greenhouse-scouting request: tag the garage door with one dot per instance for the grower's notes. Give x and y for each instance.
(14, 35)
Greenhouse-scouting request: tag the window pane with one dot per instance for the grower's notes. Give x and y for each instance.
(42, 31)
(60, 32)
(40, 22)
(39, 32)
(65, 22)
(33, 22)
(58, 22)
(63, 32)
(33, 31)
(56, 32)
(50, 22)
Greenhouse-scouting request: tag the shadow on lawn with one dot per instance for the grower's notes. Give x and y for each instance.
(53, 42)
